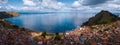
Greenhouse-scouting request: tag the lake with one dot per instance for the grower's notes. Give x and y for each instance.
(50, 22)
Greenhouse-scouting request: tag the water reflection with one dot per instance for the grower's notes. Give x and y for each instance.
(54, 22)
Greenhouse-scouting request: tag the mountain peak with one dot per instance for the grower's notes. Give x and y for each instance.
(104, 11)
(103, 17)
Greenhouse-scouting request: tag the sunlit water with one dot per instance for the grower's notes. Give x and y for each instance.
(50, 22)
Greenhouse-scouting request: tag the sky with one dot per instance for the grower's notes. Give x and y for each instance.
(60, 5)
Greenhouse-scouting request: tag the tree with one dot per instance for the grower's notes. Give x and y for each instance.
(44, 34)
(57, 36)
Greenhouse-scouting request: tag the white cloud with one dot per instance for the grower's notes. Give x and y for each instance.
(29, 2)
(0, 6)
(52, 4)
(3, 1)
(76, 4)
(43, 4)
(114, 6)
(115, 1)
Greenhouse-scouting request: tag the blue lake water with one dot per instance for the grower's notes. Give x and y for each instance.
(50, 22)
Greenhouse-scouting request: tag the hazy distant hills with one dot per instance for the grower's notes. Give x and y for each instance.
(103, 17)
(8, 14)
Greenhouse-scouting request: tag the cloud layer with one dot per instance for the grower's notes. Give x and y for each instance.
(54, 5)
(93, 2)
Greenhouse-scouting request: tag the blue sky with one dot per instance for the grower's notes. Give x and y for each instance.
(67, 2)
(60, 5)
(15, 2)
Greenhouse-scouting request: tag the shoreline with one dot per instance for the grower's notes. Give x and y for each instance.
(13, 26)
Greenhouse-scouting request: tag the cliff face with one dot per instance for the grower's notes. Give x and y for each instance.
(7, 14)
(103, 17)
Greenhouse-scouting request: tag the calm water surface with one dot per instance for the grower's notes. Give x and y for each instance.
(50, 22)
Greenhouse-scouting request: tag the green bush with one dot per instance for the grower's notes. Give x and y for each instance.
(57, 37)
(44, 34)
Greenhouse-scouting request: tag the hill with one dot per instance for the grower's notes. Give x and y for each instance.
(103, 17)
(8, 14)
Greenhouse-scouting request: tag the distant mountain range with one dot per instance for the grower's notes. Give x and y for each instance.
(103, 17)
(8, 14)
